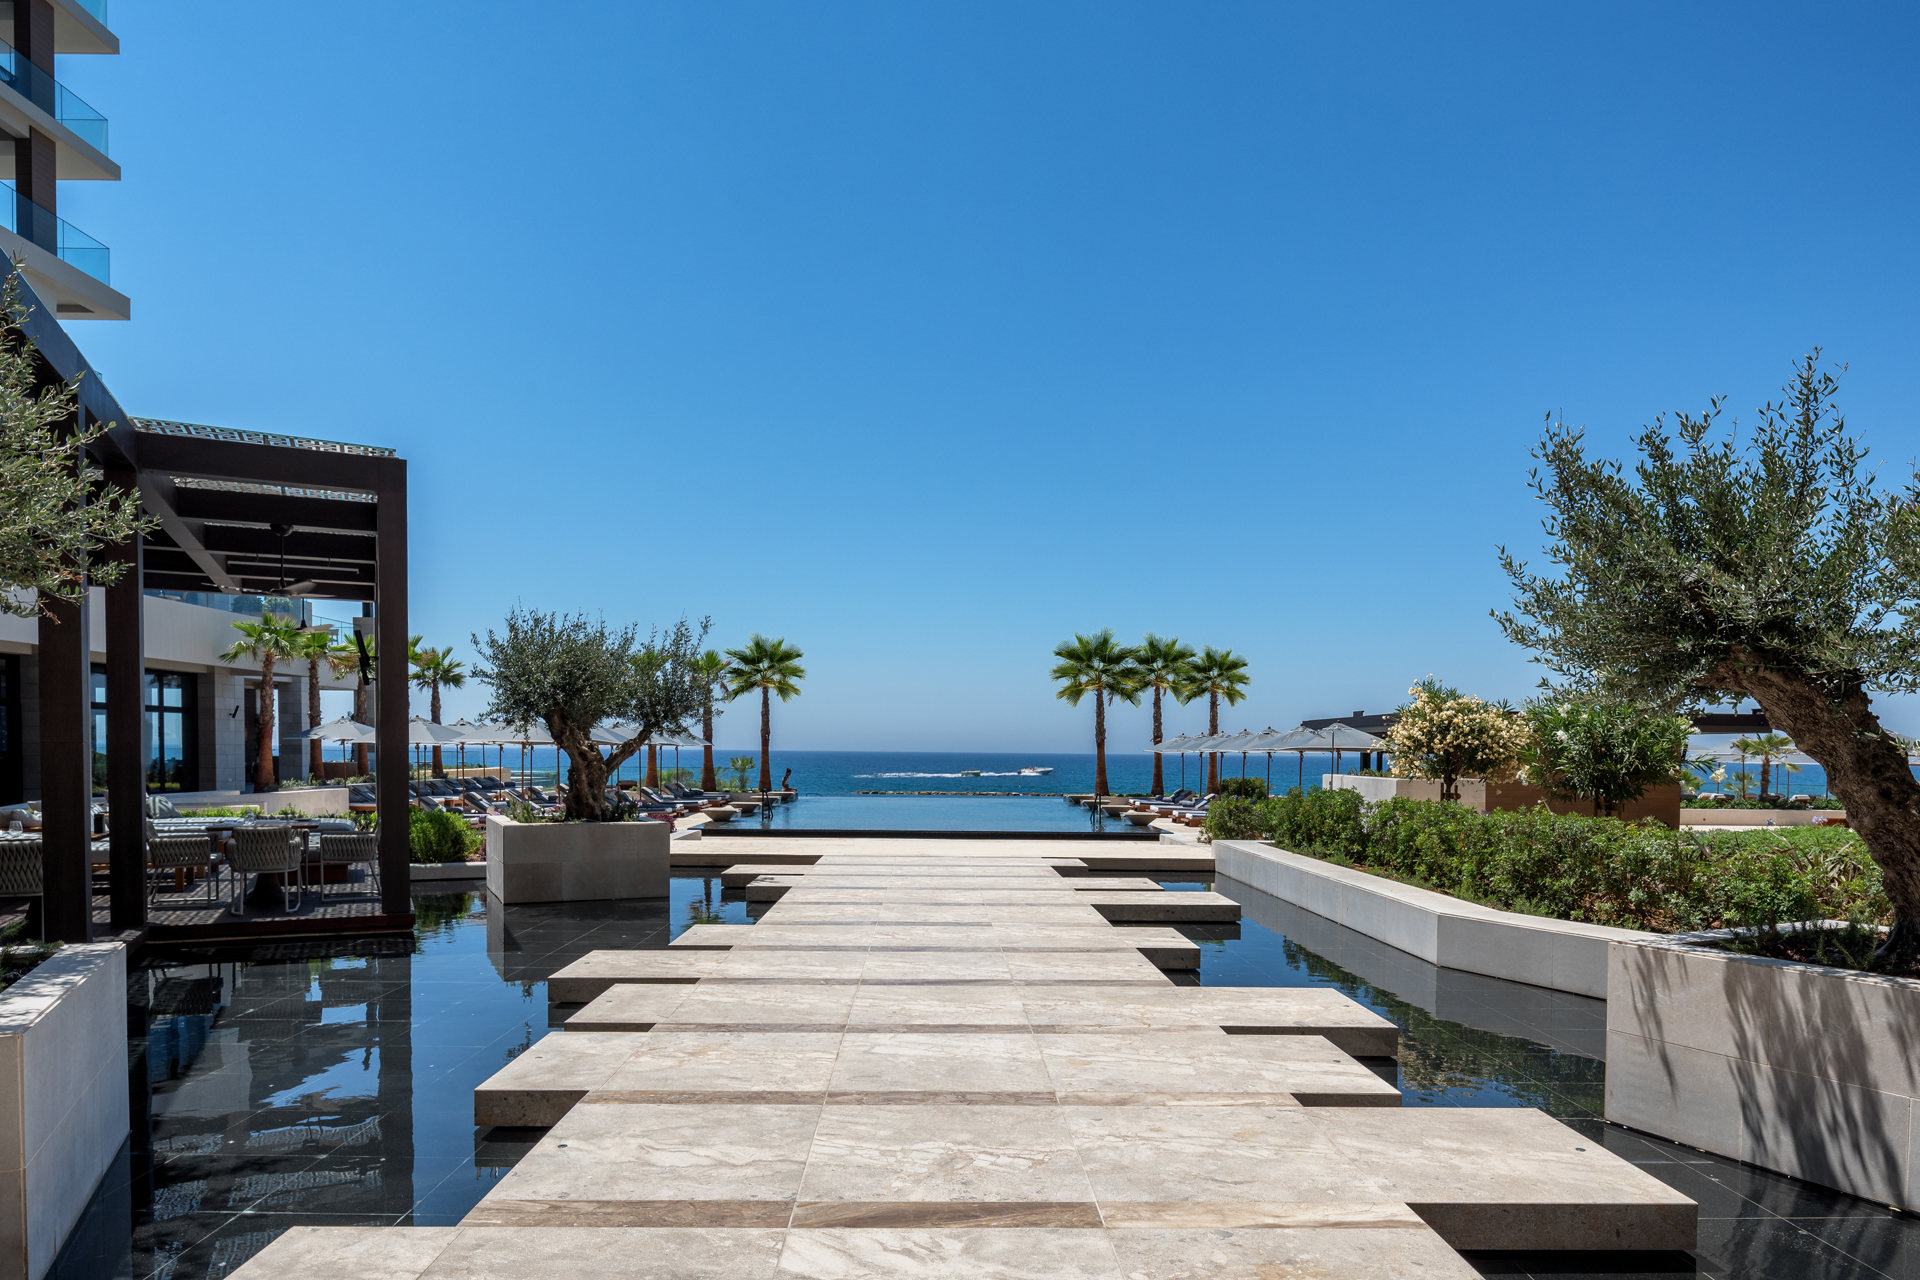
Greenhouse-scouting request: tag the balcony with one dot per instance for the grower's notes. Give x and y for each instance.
(52, 232)
(52, 97)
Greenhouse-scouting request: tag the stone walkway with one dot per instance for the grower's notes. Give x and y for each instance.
(951, 1063)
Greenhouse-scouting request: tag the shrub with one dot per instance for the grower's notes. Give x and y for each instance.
(1232, 818)
(1243, 788)
(435, 835)
(1318, 821)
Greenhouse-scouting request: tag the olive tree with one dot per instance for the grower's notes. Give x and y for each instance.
(1775, 568)
(571, 674)
(1602, 750)
(56, 513)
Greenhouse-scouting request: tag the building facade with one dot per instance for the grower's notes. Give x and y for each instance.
(49, 135)
(201, 714)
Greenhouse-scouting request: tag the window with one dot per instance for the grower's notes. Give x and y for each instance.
(172, 717)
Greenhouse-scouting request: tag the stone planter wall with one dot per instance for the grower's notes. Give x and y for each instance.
(1799, 1068)
(1563, 955)
(577, 861)
(63, 1098)
(1712, 816)
(1473, 793)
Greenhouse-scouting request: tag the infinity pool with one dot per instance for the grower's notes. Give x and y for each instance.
(929, 813)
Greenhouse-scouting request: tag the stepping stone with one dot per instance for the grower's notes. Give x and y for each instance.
(1172, 1067)
(594, 972)
(710, 937)
(543, 1083)
(1500, 1178)
(1309, 1011)
(1167, 948)
(1163, 907)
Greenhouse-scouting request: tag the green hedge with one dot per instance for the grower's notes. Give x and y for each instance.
(1638, 875)
(435, 835)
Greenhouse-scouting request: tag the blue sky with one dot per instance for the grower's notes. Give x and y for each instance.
(925, 335)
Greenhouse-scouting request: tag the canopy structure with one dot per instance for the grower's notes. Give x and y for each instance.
(1175, 745)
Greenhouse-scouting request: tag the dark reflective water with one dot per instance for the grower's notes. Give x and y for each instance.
(329, 1083)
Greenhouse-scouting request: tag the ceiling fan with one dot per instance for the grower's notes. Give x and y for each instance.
(294, 590)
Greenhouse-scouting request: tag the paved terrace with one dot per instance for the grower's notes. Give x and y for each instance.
(950, 1059)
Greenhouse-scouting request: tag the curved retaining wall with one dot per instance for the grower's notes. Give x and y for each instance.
(1558, 954)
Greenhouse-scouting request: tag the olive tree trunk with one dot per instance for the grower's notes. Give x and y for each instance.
(1867, 769)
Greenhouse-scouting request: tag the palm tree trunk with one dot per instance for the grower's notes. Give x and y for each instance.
(1213, 757)
(766, 739)
(706, 752)
(360, 714)
(314, 767)
(1766, 775)
(1159, 787)
(1099, 743)
(434, 706)
(263, 759)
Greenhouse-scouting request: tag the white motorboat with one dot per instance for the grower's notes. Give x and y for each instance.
(1036, 771)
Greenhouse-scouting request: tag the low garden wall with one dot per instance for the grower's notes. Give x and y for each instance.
(1473, 792)
(315, 802)
(1808, 1070)
(1708, 816)
(1559, 954)
(577, 861)
(63, 1098)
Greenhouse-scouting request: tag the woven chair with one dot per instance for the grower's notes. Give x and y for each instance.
(265, 848)
(351, 847)
(176, 852)
(20, 868)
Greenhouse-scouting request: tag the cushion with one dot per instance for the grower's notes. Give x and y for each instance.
(29, 820)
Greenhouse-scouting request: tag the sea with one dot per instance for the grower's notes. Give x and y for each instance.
(973, 773)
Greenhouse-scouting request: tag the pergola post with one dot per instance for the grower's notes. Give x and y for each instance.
(390, 693)
(127, 747)
(66, 773)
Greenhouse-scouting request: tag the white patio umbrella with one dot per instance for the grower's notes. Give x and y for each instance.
(1266, 740)
(1180, 744)
(342, 730)
(1298, 739)
(1236, 742)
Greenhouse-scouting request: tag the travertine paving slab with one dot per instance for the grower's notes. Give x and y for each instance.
(951, 1007)
(541, 1085)
(1166, 948)
(932, 1066)
(630, 1006)
(743, 1006)
(944, 1153)
(594, 972)
(1313, 1011)
(1197, 1067)
(1511, 1179)
(1007, 1253)
(1229, 1155)
(1229, 1250)
(1163, 907)
(777, 1067)
(657, 1155)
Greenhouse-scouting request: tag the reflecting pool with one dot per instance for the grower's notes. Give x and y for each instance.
(331, 1082)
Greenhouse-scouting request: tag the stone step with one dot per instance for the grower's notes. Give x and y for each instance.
(1163, 907)
(1167, 948)
(594, 972)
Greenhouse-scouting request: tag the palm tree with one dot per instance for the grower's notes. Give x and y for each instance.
(1218, 673)
(318, 647)
(271, 640)
(350, 655)
(771, 667)
(710, 671)
(1769, 747)
(740, 765)
(433, 668)
(1166, 666)
(1097, 665)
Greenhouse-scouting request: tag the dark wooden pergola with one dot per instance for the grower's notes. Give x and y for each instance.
(227, 503)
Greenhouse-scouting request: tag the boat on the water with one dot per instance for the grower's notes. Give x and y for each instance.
(1036, 771)
(969, 773)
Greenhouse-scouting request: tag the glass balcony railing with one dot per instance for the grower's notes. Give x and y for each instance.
(55, 234)
(52, 97)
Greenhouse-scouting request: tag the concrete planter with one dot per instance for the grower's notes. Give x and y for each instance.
(1794, 1067)
(576, 861)
(1710, 816)
(63, 1098)
(315, 802)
